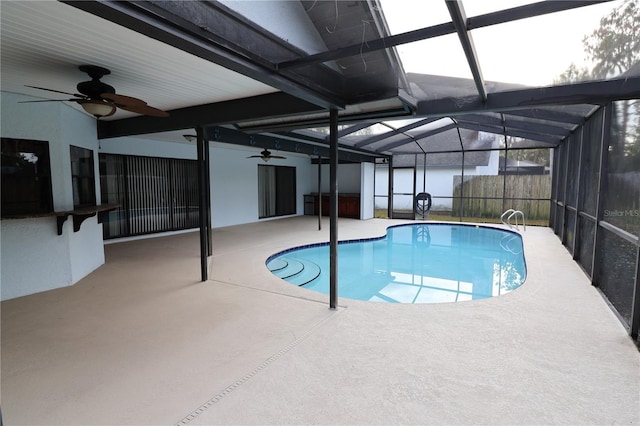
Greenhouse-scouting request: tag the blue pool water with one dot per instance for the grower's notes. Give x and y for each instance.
(423, 263)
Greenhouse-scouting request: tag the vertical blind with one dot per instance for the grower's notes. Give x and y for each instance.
(276, 191)
(154, 194)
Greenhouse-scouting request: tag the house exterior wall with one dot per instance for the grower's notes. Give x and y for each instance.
(148, 148)
(234, 183)
(352, 179)
(349, 178)
(366, 195)
(276, 17)
(234, 177)
(33, 257)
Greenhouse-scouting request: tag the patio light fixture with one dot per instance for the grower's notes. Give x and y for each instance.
(97, 108)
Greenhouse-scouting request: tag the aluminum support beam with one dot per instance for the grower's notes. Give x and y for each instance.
(390, 189)
(416, 138)
(548, 139)
(592, 92)
(635, 307)
(548, 115)
(319, 193)
(232, 111)
(527, 11)
(236, 137)
(493, 18)
(459, 18)
(376, 138)
(202, 203)
(333, 210)
(215, 33)
(531, 126)
(603, 170)
(207, 189)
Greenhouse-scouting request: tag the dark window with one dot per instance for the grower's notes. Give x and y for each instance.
(153, 194)
(276, 191)
(82, 177)
(26, 177)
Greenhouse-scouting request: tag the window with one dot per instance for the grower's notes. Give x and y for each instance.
(82, 177)
(153, 194)
(26, 177)
(276, 191)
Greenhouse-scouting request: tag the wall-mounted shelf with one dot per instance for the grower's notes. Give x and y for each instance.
(79, 215)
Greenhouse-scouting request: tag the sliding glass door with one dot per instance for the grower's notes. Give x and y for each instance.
(276, 191)
(153, 194)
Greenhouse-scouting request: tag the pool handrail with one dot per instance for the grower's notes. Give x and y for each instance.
(513, 213)
(506, 212)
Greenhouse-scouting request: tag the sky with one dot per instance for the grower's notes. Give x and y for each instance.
(530, 51)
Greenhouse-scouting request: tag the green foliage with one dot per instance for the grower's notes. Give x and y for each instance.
(615, 46)
(573, 74)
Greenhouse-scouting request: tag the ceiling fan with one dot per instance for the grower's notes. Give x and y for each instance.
(266, 156)
(100, 99)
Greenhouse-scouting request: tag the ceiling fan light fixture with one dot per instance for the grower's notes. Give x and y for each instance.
(99, 99)
(190, 138)
(97, 108)
(266, 158)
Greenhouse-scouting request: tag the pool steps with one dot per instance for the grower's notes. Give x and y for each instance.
(296, 271)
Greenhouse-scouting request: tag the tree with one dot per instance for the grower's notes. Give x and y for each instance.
(614, 48)
(573, 74)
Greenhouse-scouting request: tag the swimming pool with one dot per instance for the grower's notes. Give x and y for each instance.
(415, 263)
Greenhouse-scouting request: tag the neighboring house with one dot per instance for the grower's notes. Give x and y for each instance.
(437, 178)
(521, 167)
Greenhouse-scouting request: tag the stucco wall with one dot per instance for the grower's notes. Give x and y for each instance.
(33, 257)
(352, 179)
(234, 183)
(234, 177)
(349, 178)
(276, 17)
(366, 196)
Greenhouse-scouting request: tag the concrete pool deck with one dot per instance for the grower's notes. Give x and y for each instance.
(142, 341)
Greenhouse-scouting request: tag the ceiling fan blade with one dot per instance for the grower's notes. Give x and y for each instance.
(122, 100)
(51, 100)
(278, 156)
(144, 110)
(255, 156)
(56, 91)
(132, 104)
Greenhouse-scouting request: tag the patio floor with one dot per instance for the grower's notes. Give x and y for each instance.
(142, 341)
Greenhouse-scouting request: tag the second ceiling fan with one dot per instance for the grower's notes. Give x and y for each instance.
(266, 155)
(100, 99)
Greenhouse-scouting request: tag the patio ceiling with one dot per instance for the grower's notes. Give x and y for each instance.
(261, 84)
